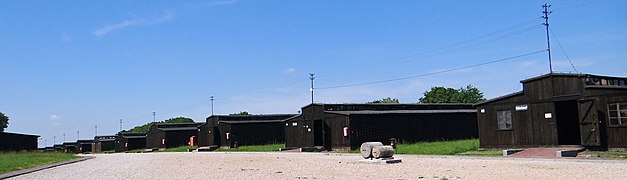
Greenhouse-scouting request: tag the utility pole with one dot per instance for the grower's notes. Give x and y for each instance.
(212, 105)
(312, 77)
(153, 116)
(63, 137)
(546, 24)
(96, 127)
(78, 135)
(54, 139)
(120, 125)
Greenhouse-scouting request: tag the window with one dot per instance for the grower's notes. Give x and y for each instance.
(617, 113)
(504, 119)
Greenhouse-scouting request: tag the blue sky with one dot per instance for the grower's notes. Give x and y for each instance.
(68, 66)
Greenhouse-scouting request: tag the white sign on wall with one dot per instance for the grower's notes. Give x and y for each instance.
(548, 115)
(521, 107)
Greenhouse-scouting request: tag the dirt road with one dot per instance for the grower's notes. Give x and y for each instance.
(278, 165)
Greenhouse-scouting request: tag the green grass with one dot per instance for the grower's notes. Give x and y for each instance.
(456, 147)
(614, 154)
(180, 149)
(14, 161)
(259, 148)
(135, 151)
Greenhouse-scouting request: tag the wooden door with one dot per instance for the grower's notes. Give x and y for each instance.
(589, 123)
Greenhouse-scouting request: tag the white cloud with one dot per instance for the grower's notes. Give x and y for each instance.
(290, 70)
(55, 120)
(55, 117)
(166, 16)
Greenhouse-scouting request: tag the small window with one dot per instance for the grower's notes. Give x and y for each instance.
(504, 119)
(617, 113)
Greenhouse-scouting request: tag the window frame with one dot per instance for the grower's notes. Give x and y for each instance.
(620, 107)
(511, 119)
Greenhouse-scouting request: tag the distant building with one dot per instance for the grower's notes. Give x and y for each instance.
(558, 109)
(103, 143)
(69, 147)
(125, 141)
(241, 130)
(170, 135)
(83, 146)
(347, 126)
(17, 142)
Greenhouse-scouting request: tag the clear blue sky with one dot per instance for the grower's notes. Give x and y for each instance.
(68, 66)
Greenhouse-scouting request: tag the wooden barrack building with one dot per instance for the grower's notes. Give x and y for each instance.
(170, 135)
(558, 109)
(346, 126)
(125, 141)
(17, 142)
(238, 130)
(103, 143)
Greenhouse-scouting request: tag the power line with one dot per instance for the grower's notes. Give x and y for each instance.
(494, 36)
(563, 51)
(433, 73)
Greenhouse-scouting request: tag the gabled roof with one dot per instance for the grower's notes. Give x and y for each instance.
(392, 107)
(254, 121)
(178, 129)
(255, 117)
(19, 134)
(499, 98)
(177, 125)
(84, 141)
(554, 75)
(405, 111)
(132, 133)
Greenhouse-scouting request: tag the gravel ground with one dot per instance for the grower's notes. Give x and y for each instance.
(282, 165)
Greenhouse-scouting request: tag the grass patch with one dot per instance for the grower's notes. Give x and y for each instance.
(135, 151)
(180, 149)
(14, 161)
(349, 151)
(614, 154)
(456, 147)
(483, 152)
(257, 148)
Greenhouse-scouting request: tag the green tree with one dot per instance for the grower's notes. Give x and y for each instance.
(179, 120)
(387, 100)
(146, 127)
(469, 94)
(4, 122)
(240, 113)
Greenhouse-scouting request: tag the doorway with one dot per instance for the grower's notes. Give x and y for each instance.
(318, 133)
(567, 120)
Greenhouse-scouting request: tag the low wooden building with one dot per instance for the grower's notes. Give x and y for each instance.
(103, 143)
(125, 141)
(83, 146)
(558, 109)
(346, 126)
(241, 130)
(17, 142)
(69, 147)
(172, 135)
(60, 148)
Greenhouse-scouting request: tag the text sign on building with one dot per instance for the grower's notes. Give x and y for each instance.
(521, 107)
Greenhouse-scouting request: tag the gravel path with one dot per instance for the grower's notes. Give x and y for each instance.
(281, 165)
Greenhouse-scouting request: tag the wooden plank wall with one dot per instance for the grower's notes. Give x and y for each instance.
(179, 138)
(258, 133)
(17, 142)
(335, 133)
(408, 128)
